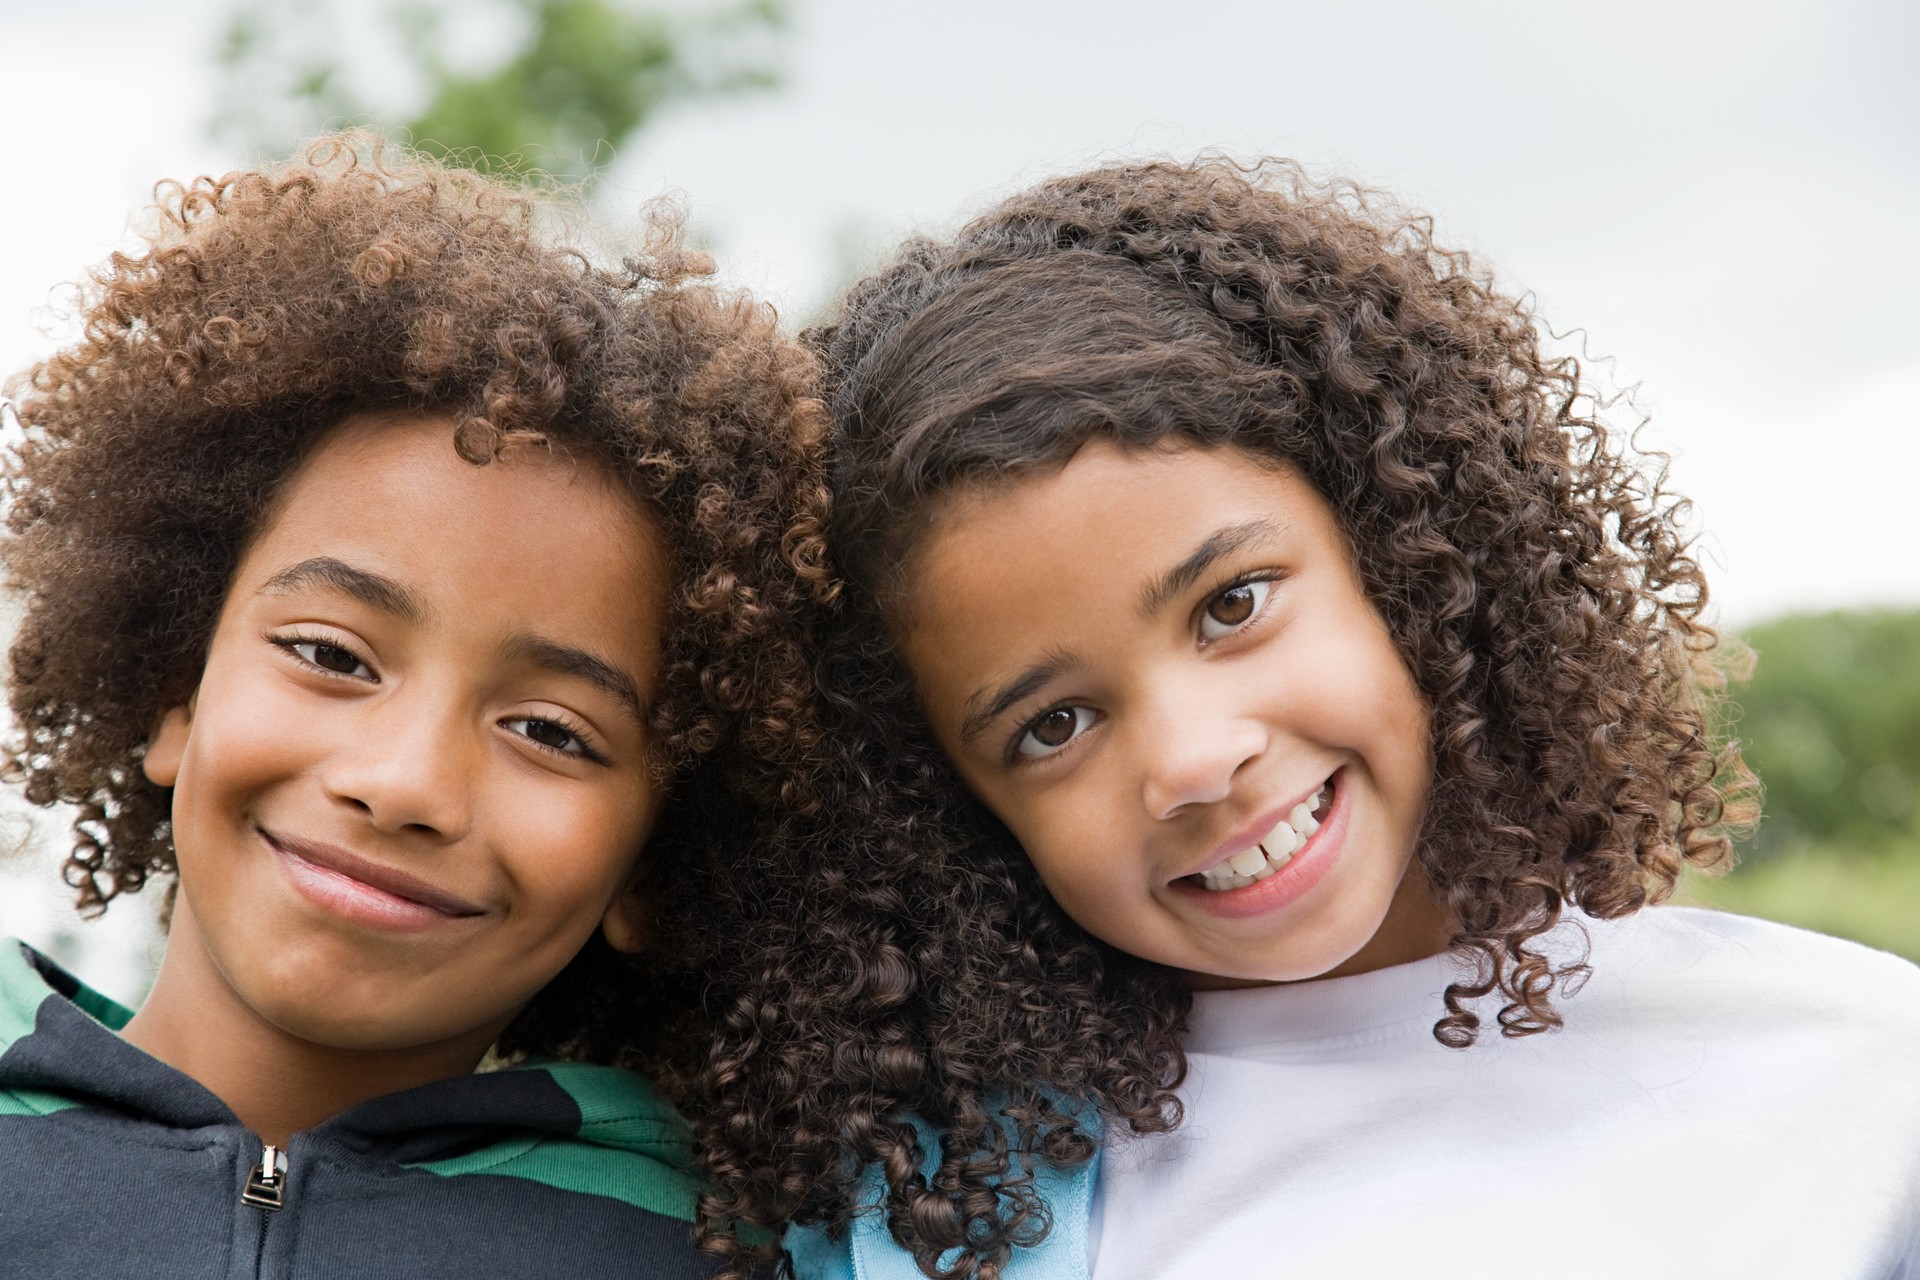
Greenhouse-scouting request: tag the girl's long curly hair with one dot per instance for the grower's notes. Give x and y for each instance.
(263, 308)
(1527, 561)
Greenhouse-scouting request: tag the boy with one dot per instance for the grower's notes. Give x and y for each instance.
(377, 588)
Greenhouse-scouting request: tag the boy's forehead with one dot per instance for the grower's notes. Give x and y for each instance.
(393, 466)
(386, 510)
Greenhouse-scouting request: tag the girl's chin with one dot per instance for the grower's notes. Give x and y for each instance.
(1299, 965)
(1197, 981)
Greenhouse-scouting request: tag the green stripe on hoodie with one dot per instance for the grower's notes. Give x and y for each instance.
(622, 1116)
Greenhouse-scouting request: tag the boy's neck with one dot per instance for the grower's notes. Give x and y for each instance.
(276, 1083)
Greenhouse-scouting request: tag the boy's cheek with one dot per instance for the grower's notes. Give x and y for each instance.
(239, 745)
(573, 864)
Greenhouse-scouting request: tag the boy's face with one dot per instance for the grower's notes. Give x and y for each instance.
(1160, 670)
(416, 774)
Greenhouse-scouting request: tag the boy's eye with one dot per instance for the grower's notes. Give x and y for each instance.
(329, 657)
(1232, 608)
(551, 735)
(1053, 730)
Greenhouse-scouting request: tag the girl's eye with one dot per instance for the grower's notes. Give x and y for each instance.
(552, 735)
(1054, 730)
(1232, 608)
(328, 657)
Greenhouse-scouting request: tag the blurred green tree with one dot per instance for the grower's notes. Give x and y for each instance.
(1831, 723)
(567, 82)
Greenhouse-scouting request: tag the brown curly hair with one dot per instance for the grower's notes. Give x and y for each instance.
(265, 307)
(1527, 562)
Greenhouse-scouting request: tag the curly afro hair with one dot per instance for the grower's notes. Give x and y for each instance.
(267, 306)
(1526, 560)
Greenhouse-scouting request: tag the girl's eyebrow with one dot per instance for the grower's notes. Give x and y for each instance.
(1222, 542)
(364, 585)
(984, 707)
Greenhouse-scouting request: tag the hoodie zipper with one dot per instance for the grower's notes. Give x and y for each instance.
(267, 1184)
(266, 1191)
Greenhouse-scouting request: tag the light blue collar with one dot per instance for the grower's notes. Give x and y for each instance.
(870, 1253)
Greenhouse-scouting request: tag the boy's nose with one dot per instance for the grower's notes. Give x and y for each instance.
(409, 769)
(1192, 744)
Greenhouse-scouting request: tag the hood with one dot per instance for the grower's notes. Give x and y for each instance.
(574, 1126)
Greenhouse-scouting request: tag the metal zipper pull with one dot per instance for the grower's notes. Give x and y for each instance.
(267, 1184)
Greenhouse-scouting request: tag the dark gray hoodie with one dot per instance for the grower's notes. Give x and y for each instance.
(114, 1164)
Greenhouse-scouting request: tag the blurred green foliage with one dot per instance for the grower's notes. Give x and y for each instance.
(1872, 898)
(1831, 723)
(572, 82)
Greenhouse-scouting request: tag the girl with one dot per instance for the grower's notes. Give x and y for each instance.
(1293, 699)
(418, 603)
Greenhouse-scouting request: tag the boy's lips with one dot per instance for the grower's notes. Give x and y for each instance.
(364, 889)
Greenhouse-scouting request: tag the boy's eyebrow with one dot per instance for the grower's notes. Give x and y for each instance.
(566, 660)
(1221, 542)
(984, 707)
(364, 585)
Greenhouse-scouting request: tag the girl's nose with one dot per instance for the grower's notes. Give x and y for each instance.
(1192, 746)
(410, 769)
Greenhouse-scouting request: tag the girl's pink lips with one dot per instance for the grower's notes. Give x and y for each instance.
(1290, 883)
(363, 890)
(1254, 834)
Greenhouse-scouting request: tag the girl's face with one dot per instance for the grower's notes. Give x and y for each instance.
(416, 772)
(1159, 670)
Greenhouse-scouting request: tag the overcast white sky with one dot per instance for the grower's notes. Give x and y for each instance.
(1722, 196)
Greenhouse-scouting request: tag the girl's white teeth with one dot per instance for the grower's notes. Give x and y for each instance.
(1275, 851)
(1248, 861)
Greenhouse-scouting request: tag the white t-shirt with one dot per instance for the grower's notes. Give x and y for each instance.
(1728, 1098)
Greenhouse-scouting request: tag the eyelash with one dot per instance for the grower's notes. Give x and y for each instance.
(1265, 577)
(578, 735)
(291, 644)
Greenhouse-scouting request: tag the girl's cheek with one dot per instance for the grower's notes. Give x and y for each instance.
(1074, 838)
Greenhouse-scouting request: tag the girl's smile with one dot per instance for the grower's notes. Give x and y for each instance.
(1286, 860)
(1160, 670)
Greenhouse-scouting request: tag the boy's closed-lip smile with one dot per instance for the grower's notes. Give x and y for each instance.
(363, 890)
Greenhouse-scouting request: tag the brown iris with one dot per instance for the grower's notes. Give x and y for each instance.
(1233, 606)
(332, 657)
(1055, 727)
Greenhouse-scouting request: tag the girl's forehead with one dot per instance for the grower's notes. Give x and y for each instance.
(1124, 527)
(1142, 490)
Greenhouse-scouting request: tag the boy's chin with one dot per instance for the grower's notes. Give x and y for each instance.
(394, 1018)
(383, 1037)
